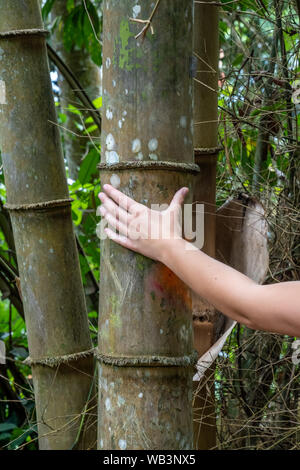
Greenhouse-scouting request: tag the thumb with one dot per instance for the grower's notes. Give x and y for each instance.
(178, 198)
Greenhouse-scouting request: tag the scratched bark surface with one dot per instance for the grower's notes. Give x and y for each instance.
(48, 264)
(145, 310)
(206, 47)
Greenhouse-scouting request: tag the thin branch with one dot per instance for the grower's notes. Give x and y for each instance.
(75, 85)
(91, 23)
(147, 23)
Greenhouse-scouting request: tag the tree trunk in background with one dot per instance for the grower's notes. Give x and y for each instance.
(206, 55)
(88, 74)
(37, 196)
(145, 328)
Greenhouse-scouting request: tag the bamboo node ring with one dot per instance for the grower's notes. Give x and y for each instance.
(38, 205)
(58, 360)
(148, 361)
(150, 165)
(24, 32)
(198, 152)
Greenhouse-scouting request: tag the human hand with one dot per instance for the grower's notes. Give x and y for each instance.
(141, 229)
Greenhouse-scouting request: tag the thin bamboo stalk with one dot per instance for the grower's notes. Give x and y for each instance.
(145, 328)
(88, 74)
(51, 285)
(206, 55)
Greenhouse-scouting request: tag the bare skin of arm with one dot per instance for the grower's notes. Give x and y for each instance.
(274, 308)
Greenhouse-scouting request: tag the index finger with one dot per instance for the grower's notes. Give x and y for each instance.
(120, 198)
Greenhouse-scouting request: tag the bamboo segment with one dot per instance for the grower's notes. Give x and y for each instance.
(37, 196)
(145, 331)
(206, 52)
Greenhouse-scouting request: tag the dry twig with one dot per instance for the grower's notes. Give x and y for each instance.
(147, 23)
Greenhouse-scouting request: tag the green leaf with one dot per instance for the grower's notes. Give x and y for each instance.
(70, 5)
(238, 60)
(98, 102)
(47, 8)
(88, 166)
(90, 129)
(7, 427)
(73, 109)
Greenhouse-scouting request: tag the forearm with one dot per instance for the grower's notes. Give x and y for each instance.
(273, 308)
(227, 289)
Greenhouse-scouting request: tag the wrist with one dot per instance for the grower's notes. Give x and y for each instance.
(170, 250)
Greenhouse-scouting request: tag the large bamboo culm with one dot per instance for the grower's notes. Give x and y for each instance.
(38, 200)
(206, 53)
(145, 329)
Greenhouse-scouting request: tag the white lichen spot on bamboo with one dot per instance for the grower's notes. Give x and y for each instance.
(101, 444)
(122, 444)
(111, 157)
(108, 404)
(108, 62)
(183, 122)
(140, 156)
(136, 145)
(120, 401)
(153, 156)
(103, 382)
(120, 124)
(115, 181)
(109, 114)
(2, 92)
(161, 331)
(136, 10)
(51, 250)
(153, 144)
(184, 333)
(140, 395)
(110, 142)
(114, 83)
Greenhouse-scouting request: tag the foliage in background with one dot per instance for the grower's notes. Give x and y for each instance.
(82, 27)
(257, 384)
